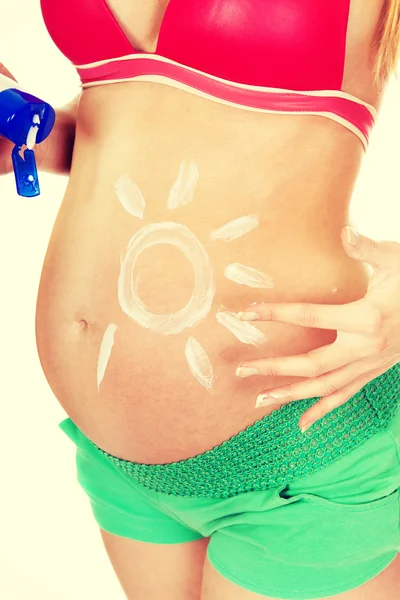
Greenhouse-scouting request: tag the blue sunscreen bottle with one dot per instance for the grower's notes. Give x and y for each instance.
(24, 120)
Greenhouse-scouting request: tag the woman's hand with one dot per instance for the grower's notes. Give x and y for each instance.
(5, 145)
(54, 154)
(367, 343)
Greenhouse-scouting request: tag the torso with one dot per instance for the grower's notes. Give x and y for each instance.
(295, 172)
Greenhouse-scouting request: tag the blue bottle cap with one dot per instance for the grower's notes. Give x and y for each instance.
(25, 120)
(26, 176)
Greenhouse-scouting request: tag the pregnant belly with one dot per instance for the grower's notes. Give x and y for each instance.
(146, 268)
(138, 344)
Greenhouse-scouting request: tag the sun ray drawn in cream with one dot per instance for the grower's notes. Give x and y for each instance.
(244, 331)
(182, 191)
(235, 229)
(105, 352)
(245, 275)
(130, 196)
(200, 303)
(199, 363)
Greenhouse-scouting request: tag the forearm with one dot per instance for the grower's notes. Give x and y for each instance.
(54, 154)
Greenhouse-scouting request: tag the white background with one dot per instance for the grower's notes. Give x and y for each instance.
(50, 545)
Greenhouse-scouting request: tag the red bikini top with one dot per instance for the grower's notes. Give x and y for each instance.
(253, 54)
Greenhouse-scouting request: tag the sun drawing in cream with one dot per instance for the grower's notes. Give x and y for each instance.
(200, 302)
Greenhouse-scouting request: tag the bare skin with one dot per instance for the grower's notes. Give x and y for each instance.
(296, 172)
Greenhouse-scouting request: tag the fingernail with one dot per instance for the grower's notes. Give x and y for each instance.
(248, 316)
(352, 236)
(263, 401)
(246, 371)
(268, 399)
(305, 427)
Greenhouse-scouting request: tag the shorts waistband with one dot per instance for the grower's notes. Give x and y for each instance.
(273, 451)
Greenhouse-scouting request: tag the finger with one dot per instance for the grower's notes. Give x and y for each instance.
(380, 255)
(6, 72)
(357, 317)
(312, 364)
(328, 403)
(323, 386)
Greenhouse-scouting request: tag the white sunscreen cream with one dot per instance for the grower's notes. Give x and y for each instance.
(200, 303)
(202, 296)
(130, 196)
(182, 191)
(199, 363)
(248, 276)
(33, 131)
(236, 228)
(105, 352)
(244, 331)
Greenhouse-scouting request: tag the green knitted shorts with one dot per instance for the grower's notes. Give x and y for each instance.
(289, 515)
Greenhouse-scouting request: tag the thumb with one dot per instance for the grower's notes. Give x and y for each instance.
(379, 255)
(6, 72)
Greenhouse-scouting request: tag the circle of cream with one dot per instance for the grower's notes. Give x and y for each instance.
(199, 304)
